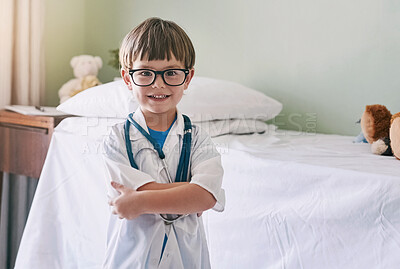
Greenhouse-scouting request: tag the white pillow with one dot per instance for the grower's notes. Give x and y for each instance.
(205, 99)
(236, 126)
(110, 100)
(212, 99)
(99, 126)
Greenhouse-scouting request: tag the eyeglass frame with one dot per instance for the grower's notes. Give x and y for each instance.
(131, 71)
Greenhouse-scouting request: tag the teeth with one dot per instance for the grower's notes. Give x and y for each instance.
(159, 96)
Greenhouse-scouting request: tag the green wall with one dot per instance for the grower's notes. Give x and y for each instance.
(324, 60)
(64, 38)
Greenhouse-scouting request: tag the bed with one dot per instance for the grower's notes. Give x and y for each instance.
(294, 200)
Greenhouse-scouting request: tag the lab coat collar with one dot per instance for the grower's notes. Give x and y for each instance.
(177, 128)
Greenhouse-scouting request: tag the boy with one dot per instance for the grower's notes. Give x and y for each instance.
(157, 59)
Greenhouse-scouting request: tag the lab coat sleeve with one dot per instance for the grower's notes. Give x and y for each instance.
(206, 167)
(117, 163)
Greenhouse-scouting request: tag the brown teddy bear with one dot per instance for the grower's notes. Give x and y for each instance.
(382, 130)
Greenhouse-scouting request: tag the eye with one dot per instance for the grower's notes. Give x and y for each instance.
(171, 73)
(145, 73)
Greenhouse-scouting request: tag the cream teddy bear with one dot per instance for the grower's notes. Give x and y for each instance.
(85, 68)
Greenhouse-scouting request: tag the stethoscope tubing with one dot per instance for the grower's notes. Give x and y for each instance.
(184, 159)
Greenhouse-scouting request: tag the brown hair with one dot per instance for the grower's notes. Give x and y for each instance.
(381, 116)
(156, 39)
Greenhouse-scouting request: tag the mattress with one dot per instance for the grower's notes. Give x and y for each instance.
(305, 201)
(294, 200)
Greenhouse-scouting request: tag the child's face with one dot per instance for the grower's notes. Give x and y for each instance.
(158, 98)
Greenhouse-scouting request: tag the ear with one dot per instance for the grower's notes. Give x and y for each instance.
(189, 78)
(74, 61)
(98, 62)
(127, 78)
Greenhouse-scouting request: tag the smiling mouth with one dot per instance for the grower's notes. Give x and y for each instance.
(159, 96)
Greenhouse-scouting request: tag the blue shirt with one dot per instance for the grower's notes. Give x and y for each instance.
(160, 136)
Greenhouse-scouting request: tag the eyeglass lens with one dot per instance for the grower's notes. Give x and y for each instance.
(172, 77)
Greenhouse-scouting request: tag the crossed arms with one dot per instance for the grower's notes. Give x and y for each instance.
(160, 198)
(143, 195)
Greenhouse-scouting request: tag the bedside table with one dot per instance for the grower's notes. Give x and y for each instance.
(24, 141)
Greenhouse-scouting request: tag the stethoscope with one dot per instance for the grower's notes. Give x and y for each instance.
(183, 166)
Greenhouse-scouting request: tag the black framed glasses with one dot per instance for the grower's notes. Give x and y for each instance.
(146, 77)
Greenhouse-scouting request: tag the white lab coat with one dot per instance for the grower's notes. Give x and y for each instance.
(137, 243)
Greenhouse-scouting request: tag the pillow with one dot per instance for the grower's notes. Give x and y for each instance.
(99, 127)
(236, 126)
(212, 99)
(206, 99)
(110, 100)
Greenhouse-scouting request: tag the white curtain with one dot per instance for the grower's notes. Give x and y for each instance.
(21, 52)
(21, 83)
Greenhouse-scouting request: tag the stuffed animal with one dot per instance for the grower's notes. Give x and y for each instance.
(87, 82)
(86, 68)
(381, 130)
(394, 134)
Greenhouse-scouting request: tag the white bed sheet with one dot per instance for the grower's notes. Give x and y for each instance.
(306, 201)
(293, 201)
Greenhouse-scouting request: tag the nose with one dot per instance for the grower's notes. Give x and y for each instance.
(159, 82)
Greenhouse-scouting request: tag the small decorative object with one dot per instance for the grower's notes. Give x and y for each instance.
(86, 68)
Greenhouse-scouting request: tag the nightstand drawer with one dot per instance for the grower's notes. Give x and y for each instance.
(24, 141)
(24, 149)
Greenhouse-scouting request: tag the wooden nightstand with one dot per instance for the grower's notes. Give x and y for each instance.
(24, 141)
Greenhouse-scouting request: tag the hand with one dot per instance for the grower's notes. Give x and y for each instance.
(127, 205)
